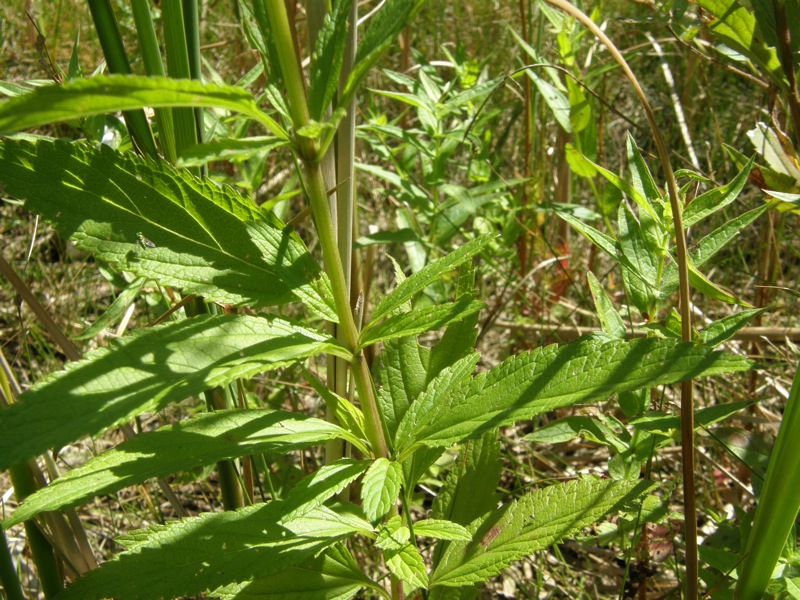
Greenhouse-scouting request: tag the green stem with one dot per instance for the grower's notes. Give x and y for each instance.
(309, 153)
(8, 575)
(153, 66)
(117, 60)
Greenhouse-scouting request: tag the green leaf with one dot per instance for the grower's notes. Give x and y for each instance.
(735, 25)
(441, 529)
(459, 337)
(710, 245)
(610, 320)
(642, 179)
(664, 423)
(334, 575)
(326, 61)
(427, 275)
(428, 318)
(394, 535)
(644, 260)
(555, 99)
(114, 93)
(713, 200)
(407, 565)
(532, 523)
(346, 413)
(201, 440)
(606, 243)
(210, 551)
(383, 28)
(723, 329)
(469, 490)
(207, 239)
(555, 376)
(232, 149)
(402, 372)
(708, 288)
(145, 372)
(380, 488)
(114, 312)
(450, 382)
(311, 491)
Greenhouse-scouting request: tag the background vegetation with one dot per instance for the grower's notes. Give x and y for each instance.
(455, 138)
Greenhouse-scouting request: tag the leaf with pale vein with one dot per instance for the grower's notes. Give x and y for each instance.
(531, 523)
(207, 239)
(407, 565)
(210, 551)
(555, 376)
(145, 372)
(334, 575)
(380, 488)
(428, 318)
(311, 491)
(201, 440)
(115, 93)
(427, 275)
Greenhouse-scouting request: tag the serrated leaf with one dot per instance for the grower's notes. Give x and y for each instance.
(710, 245)
(145, 372)
(641, 177)
(713, 200)
(206, 239)
(610, 320)
(326, 60)
(201, 440)
(232, 149)
(656, 422)
(210, 551)
(447, 383)
(459, 337)
(346, 413)
(441, 529)
(427, 275)
(427, 318)
(382, 30)
(402, 372)
(555, 376)
(643, 259)
(332, 576)
(407, 565)
(114, 93)
(311, 491)
(393, 535)
(380, 488)
(724, 328)
(532, 523)
(708, 288)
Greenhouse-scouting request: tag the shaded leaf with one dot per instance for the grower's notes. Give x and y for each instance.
(145, 372)
(380, 488)
(207, 240)
(202, 440)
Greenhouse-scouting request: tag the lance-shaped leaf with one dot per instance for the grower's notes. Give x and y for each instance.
(202, 238)
(326, 61)
(145, 372)
(713, 200)
(311, 491)
(427, 275)
(114, 93)
(202, 440)
(210, 551)
(232, 149)
(334, 575)
(427, 318)
(407, 565)
(555, 376)
(532, 523)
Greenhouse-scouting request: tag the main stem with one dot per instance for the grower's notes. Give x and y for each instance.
(309, 153)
